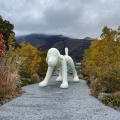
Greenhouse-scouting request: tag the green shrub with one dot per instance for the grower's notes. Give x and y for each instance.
(95, 88)
(27, 81)
(2, 94)
(88, 82)
(112, 85)
(112, 100)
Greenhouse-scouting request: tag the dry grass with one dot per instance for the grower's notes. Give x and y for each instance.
(9, 78)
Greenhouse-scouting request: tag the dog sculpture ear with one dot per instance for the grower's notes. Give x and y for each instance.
(60, 57)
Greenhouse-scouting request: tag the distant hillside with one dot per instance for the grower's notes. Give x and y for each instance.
(44, 42)
(39, 40)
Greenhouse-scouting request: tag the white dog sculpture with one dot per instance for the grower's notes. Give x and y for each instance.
(54, 58)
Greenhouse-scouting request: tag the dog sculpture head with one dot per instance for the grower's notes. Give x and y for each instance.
(53, 56)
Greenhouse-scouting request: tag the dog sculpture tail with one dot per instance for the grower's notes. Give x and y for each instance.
(66, 51)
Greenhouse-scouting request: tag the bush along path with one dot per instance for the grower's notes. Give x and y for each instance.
(53, 103)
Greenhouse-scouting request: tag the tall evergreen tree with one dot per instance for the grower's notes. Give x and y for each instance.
(6, 28)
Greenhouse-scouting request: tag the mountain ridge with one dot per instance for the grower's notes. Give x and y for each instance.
(44, 42)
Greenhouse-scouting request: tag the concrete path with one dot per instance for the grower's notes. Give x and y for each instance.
(53, 103)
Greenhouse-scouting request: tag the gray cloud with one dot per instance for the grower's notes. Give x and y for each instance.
(73, 18)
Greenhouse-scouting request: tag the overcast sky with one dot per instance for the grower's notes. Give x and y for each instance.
(73, 18)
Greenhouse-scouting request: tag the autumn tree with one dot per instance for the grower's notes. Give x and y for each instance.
(9, 78)
(2, 68)
(42, 65)
(31, 56)
(2, 45)
(102, 61)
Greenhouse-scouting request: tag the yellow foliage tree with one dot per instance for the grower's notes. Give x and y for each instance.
(42, 66)
(31, 55)
(102, 61)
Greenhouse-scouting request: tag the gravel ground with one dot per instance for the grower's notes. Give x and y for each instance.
(53, 103)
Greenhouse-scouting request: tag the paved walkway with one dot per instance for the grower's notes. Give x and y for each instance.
(53, 103)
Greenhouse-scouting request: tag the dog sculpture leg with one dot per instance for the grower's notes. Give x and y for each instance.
(71, 64)
(75, 79)
(64, 74)
(47, 77)
(60, 75)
